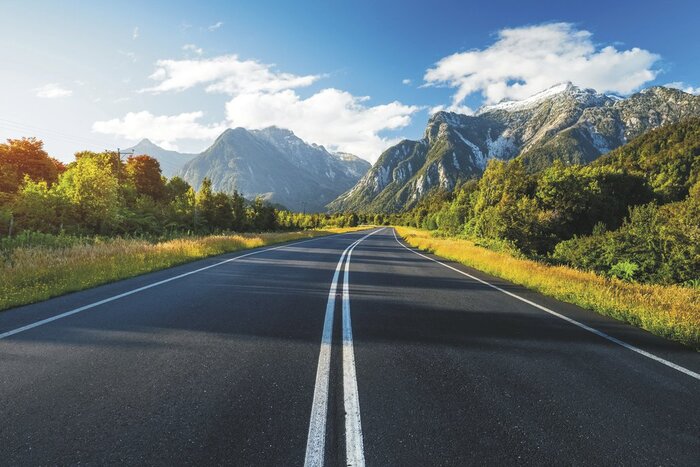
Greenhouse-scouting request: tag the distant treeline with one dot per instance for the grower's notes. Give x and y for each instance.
(99, 194)
(633, 213)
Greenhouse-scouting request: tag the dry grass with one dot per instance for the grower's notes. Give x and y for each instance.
(29, 275)
(669, 311)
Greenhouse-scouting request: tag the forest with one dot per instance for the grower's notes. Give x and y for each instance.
(633, 214)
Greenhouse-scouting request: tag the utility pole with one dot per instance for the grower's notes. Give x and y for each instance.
(119, 155)
(126, 153)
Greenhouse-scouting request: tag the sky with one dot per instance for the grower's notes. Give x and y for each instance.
(354, 76)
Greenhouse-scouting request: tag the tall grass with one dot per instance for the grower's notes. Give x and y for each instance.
(668, 311)
(35, 273)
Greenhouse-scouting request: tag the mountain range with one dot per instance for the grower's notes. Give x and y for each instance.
(564, 122)
(272, 163)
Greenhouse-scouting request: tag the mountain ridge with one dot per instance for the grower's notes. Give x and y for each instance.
(277, 165)
(562, 123)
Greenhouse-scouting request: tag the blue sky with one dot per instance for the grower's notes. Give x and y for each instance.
(354, 76)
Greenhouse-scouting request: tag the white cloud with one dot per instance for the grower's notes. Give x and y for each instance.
(261, 96)
(331, 117)
(460, 109)
(226, 73)
(683, 87)
(529, 59)
(215, 26)
(135, 33)
(52, 91)
(164, 130)
(406, 81)
(192, 48)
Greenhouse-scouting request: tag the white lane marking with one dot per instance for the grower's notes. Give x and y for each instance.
(565, 318)
(354, 447)
(141, 289)
(316, 441)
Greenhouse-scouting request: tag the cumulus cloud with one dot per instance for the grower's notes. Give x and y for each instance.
(192, 48)
(226, 73)
(52, 91)
(216, 26)
(683, 87)
(525, 60)
(332, 117)
(406, 81)
(260, 96)
(164, 130)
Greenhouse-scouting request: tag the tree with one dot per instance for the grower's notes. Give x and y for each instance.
(26, 156)
(204, 206)
(144, 172)
(262, 215)
(42, 208)
(92, 186)
(239, 212)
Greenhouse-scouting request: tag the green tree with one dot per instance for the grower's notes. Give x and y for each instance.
(92, 186)
(204, 206)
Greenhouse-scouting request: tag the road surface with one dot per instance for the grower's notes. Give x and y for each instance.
(344, 350)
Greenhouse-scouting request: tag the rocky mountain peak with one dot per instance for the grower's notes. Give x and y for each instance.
(564, 122)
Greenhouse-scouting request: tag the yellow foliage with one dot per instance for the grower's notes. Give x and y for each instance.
(668, 311)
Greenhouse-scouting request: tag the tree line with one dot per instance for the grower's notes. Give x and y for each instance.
(99, 194)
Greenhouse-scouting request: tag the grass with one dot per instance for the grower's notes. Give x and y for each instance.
(35, 273)
(669, 311)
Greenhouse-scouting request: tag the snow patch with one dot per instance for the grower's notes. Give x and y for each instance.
(502, 147)
(530, 102)
(479, 158)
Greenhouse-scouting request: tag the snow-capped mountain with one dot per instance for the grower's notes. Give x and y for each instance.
(564, 122)
(277, 165)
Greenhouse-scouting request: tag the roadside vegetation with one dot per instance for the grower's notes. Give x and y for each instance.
(98, 219)
(633, 214)
(68, 264)
(620, 236)
(669, 311)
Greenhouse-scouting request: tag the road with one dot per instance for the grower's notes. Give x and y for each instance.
(343, 350)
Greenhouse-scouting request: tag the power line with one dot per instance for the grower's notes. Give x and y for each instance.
(14, 126)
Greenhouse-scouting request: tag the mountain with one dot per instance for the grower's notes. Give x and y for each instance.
(564, 122)
(170, 161)
(277, 165)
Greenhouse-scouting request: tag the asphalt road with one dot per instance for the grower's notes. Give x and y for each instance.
(299, 355)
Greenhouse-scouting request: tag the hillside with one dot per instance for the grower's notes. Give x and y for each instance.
(562, 123)
(667, 157)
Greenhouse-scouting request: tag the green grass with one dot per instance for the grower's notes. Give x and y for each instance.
(34, 273)
(669, 311)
